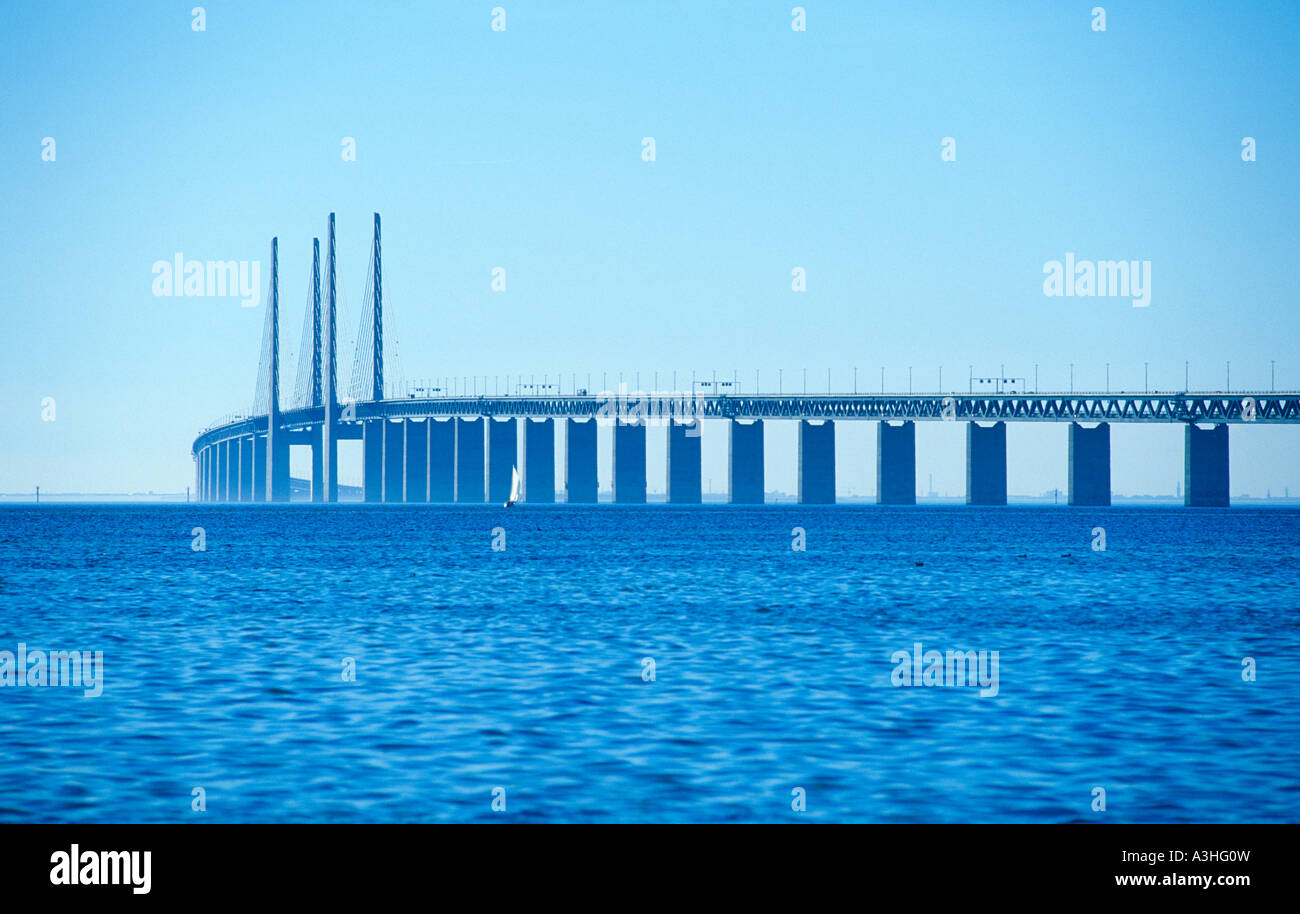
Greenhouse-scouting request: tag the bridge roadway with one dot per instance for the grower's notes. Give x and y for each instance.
(409, 455)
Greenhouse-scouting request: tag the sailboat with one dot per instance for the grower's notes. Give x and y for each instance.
(514, 487)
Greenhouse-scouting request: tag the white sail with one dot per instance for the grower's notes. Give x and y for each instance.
(514, 484)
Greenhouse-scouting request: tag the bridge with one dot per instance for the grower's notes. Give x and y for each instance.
(462, 448)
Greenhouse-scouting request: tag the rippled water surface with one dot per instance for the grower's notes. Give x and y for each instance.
(526, 668)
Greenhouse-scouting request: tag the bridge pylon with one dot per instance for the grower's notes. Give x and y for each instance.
(377, 385)
(277, 437)
(317, 452)
(325, 446)
(375, 444)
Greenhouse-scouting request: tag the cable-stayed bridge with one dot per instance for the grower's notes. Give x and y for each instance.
(438, 448)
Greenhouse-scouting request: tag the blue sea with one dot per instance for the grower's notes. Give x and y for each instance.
(651, 663)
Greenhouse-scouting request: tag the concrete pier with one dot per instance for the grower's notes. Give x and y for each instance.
(745, 475)
(223, 471)
(500, 453)
(986, 464)
(415, 463)
(218, 479)
(328, 448)
(394, 482)
(1089, 466)
(277, 466)
(259, 468)
(1205, 467)
(219, 472)
(232, 469)
(629, 464)
(684, 470)
(442, 460)
(246, 468)
(896, 464)
(816, 463)
(317, 466)
(372, 460)
(538, 460)
(580, 461)
(469, 461)
(227, 489)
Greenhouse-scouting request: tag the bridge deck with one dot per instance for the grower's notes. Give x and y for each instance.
(1214, 407)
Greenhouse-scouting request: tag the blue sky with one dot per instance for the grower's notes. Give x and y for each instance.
(775, 149)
